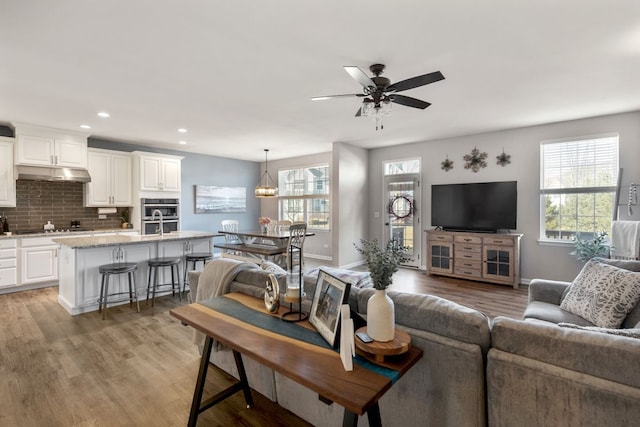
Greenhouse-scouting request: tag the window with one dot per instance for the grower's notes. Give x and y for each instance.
(577, 186)
(304, 196)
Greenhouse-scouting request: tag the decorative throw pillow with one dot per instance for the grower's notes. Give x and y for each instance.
(603, 294)
(273, 268)
(631, 333)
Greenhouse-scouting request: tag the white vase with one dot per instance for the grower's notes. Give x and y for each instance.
(381, 320)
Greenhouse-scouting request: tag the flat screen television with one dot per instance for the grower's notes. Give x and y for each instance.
(486, 207)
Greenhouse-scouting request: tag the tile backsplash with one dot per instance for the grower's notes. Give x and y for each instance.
(59, 202)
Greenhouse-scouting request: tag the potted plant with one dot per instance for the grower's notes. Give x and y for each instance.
(124, 218)
(597, 246)
(382, 263)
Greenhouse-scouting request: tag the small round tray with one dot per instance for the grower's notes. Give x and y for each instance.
(399, 345)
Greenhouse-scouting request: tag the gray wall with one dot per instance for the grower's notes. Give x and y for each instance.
(205, 170)
(319, 246)
(538, 260)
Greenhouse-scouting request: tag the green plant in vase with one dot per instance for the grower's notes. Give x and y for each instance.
(382, 263)
(124, 218)
(597, 246)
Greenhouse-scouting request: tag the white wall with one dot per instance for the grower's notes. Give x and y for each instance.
(349, 201)
(537, 260)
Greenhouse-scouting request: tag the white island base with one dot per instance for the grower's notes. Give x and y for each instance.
(80, 258)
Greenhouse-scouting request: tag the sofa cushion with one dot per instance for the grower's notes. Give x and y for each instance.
(274, 268)
(631, 333)
(603, 294)
(358, 279)
(548, 312)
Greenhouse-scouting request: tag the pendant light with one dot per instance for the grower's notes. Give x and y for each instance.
(265, 188)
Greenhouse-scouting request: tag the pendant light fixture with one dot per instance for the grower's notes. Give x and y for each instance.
(265, 188)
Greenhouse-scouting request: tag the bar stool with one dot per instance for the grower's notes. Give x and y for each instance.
(154, 265)
(193, 259)
(107, 271)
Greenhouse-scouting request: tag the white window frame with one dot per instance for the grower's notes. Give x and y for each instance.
(307, 199)
(573, 190)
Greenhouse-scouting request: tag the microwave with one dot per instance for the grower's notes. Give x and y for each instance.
(169, 208)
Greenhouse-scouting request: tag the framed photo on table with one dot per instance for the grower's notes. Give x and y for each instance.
(330, 294)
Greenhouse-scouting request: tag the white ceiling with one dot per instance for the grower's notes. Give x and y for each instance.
(239, 74)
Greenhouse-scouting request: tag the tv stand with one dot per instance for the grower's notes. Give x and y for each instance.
(485, 257)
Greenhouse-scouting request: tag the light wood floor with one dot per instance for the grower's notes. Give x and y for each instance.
(139, 369)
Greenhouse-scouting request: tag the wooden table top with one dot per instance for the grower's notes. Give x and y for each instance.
(319, 369)
(284, 235)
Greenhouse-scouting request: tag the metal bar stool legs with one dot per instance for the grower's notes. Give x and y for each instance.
(109, 270)
(152, 283)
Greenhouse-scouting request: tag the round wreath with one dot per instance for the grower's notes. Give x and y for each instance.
(406, 201)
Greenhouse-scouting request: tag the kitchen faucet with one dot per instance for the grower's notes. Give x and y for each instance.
(161, 228)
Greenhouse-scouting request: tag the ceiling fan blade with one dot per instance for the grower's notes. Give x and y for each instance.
(359, 112)
(348, 95)
(416, 82)
(409, 102)
(358, 75)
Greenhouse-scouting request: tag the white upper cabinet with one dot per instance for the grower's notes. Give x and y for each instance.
(39, 146)
(157, 172)
(7, 177)
(111, 173)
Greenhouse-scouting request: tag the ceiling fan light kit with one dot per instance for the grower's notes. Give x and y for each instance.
(379, 93)
(266, 188)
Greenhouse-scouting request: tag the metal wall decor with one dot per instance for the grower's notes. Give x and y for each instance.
(446, 164)
(476, 160)
(401, 206)
(503, 159)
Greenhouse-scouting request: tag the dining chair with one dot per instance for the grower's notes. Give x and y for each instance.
(231, 225)
(297, 234)
(283, 225)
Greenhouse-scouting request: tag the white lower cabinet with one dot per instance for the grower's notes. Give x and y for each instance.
(80, 283)
(8, 263)
(180, 249)
(39, 257)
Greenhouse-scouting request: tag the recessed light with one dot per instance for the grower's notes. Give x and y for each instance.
(182, 130)
(103, 114)
(182, 142)
(85, 126)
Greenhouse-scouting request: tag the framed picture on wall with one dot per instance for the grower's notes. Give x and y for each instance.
(214, 199)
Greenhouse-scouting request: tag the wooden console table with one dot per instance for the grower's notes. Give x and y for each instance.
(484, 257)
(315, 367)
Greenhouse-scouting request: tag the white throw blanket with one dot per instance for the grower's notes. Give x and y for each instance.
(214, 281)
(625, 239)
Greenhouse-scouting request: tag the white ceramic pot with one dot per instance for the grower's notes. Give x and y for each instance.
(381, 320)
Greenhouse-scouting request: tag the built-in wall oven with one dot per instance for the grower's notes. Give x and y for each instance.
(170, 210)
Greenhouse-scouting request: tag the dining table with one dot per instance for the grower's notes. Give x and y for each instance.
(258, 237)
(257, 243)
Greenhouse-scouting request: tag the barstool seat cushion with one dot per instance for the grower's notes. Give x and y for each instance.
(161, 262)
(199, 256)
(118, 267)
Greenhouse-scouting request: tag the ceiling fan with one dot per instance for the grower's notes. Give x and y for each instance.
(379, 93)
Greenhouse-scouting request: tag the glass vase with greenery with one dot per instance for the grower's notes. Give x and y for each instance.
(597, 246)
(382, 262)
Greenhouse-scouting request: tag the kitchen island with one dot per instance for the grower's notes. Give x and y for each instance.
(80, 257)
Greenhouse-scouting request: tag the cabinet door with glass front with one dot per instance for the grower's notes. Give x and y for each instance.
(498, 263)
(440, 257)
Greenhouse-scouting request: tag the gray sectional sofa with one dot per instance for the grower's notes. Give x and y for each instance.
(475, 372)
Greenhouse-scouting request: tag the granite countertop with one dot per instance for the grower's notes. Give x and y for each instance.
(119, 239)
(66, 234)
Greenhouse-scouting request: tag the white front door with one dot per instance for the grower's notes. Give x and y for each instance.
(403, 220)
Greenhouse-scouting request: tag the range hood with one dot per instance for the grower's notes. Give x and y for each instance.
(45, 173)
